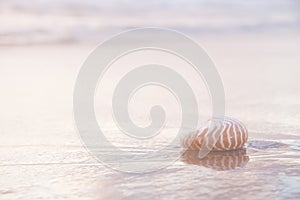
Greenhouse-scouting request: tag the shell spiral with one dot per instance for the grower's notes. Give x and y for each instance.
(218, 135)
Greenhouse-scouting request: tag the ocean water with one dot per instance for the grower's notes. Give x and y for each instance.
(67, 21)
(255, 47)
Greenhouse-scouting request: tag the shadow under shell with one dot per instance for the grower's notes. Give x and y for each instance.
(217, 160)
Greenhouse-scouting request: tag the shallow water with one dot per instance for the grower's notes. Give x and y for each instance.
(266, 169)
(42, 157)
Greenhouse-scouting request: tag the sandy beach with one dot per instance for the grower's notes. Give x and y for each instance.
(43, 157)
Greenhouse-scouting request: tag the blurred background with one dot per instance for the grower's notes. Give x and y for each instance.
(69, 21)
(255, 46)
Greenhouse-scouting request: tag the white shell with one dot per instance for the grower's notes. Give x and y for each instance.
(219, 134)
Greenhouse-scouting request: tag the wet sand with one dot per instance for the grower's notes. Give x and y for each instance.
(41, 155)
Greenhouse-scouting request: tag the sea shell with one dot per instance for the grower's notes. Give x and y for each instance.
(218, 134)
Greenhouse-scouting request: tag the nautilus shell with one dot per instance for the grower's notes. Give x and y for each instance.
(218, 134)
(217, 160)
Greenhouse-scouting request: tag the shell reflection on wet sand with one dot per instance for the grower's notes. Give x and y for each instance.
(218, 135)
(217, 160)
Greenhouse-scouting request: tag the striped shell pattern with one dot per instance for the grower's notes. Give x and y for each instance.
(218, 134)
(217, 160)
